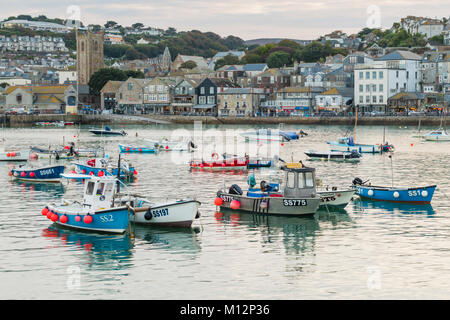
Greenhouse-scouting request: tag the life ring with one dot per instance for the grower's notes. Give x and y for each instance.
(215, 156)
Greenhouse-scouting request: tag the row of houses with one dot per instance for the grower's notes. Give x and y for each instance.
(32, 44)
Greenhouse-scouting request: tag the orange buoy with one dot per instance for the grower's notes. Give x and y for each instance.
(87, 219)
(235, 204)
(44, 211)
(77, 218)
(218, 201)
(63, 219)
(54, 217)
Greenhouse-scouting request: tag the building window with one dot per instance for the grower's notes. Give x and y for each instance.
(272, 79)
(380, 99)
(374, 74)
(374, 88)
(361, 99)
(367, 87)
(19, 98)
(396, 73)
(374, 99)
(367, 75)
(361, 88)
(380, 88)
(202, 90)
(211, 100)
(380, 74)
(202, 100)
(211, 90)
(130, 86)
(361, 75)
(367, 99)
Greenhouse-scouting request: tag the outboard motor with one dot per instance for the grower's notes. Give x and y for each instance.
(235, 189)
(357, 181)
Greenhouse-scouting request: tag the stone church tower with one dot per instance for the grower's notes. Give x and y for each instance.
(89, 55)
(166, 60)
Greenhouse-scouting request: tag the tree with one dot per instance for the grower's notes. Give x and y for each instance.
(289, 43)
(102, 76)
(188, 65)
(110, 24)
(133, 54)
(170, 32)
(229, 59)
(252, 58)
(134, 74)
(137, 25)
(278, 59)
(4, 84)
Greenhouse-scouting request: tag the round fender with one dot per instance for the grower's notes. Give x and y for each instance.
(148, 214)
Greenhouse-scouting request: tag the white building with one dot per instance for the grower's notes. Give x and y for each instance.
(395, 72)
(66, 77)
(36, 25)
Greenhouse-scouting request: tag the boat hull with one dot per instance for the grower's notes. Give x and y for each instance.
(175, 214)
(334, 156)
(259, 164)
(361, 148)
(43, 174)
(436, 138)
(136, 149)
(88, 170)
(335, 198)
(115, 220)
(106, 133)
(272, 205)
(418, 195)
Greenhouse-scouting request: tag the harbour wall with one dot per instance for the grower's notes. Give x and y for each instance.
(30, 120)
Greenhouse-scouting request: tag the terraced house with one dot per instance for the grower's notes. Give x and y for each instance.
(239, 101)
(157, 95)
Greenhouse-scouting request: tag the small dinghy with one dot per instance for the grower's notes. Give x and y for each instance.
(298, 196)
(38, 174)
(335, 197)
(108, 132)
(346, 156)
(415, 195)
(137, 149)
(103, 167)
(347, 144)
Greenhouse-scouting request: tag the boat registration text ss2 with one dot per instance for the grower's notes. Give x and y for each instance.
(160, 212)
(295, 203)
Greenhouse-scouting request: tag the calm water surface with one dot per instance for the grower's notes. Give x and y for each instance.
(369, 251)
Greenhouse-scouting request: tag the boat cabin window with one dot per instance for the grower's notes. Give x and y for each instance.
(90, 188)
(100, 188)
(291, 180)
(108, 188)
(309, 180)
(301, 181)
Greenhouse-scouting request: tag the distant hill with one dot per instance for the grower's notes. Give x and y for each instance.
(264, 41)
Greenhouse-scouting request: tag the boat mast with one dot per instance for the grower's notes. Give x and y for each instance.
(392, 171)
(356, 122)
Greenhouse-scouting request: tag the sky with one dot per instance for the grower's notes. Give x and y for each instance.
(247, 19)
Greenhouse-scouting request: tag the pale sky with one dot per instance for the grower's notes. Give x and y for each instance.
(247, 19)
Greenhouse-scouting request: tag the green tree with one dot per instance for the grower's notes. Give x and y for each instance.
(278, 59)
(133, 54)
(188, 65)
(137, 25)
(252, 58)
(229, 59)
(102, 76)
(289, 43)
(110, 24)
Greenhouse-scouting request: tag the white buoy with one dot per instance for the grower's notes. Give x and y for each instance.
(370, 192)
(396, 194)
(424, 193)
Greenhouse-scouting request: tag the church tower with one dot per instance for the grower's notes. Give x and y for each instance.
(89, 55)
(166, 60)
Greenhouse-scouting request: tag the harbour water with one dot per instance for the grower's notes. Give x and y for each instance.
(371, 250)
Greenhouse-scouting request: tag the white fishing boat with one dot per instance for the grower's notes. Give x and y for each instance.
(264, 135)
(165, 144)
(14, 155)
(335, 197)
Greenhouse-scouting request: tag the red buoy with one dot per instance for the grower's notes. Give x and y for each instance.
(32, 174)
(49, 214)
(44, 211)
(10, 173)
(8, 154)
(101, 173)
(13, 154)
(87, 219)
(77, 218)
(83, 171)
(23, 174)
(91, 173)
(218, 201)
(54, 217)
(167, 147)
(127, 149)
(235, 204)
(135, 172)
(63, 219)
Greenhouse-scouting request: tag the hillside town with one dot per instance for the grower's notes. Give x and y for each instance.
(42, 74)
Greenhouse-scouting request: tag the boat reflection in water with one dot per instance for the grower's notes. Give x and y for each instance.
(32, 189)
(176, 240)
(392, 207)
(112, 251)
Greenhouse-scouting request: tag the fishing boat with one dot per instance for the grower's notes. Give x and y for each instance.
(14, 155)
(415, 195)
(108, 132)
(97, 212)
(137, 149)
(216, 164)
(347, 144)
(255, 162)
(51, 173)
(298, 196)
(103, 167)
(340, 156)
(437, 135)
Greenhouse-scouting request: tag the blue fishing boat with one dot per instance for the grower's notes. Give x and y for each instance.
(415, 195)
(108, 132)
(137, 149)
(97, 212)
(348, 144)
(40, 174)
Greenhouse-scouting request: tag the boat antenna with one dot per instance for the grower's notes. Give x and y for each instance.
(118, 174)
(356, 123)
(392, 170)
